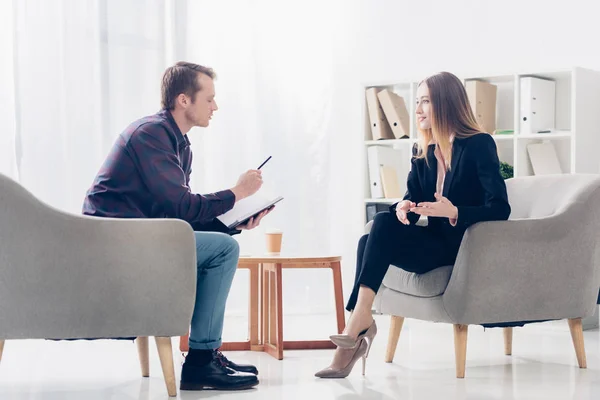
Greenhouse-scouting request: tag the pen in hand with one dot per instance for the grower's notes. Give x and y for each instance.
(264, 162)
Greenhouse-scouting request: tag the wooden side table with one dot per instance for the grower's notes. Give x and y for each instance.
(265, 327)
(272, 295)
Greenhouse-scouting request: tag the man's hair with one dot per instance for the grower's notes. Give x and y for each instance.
(182, 78)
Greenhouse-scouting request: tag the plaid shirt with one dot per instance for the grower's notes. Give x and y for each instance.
(147, 175)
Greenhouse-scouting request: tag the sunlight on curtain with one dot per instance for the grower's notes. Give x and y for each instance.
(277, 87)
(85, 70)
(8, 150)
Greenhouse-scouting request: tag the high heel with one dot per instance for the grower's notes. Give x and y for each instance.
(346, 357)
(364, 361)
(348, 342)
(369, 341)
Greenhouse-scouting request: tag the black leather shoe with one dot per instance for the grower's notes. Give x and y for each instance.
(251, 369)
(214, 375)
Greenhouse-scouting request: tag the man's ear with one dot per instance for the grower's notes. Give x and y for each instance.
(183, 100)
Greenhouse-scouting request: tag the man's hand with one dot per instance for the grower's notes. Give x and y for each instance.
(254, 222)
(402, 209)
(248, 184)
(441, 208)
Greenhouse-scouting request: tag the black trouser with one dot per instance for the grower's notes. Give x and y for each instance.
(413, 248)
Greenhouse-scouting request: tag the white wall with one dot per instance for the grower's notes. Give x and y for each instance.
(401, 38)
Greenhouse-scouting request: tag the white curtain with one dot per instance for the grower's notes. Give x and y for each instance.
(81, 70)
(8, 157)
(285, 72)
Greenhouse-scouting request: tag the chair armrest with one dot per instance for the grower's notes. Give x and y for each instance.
(368, 227)
(525, 270)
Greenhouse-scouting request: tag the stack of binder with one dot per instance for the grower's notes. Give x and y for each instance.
(388, 114)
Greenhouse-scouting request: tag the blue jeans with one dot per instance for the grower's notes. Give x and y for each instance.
(217, 258)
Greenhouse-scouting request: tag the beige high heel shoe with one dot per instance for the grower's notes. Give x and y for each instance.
(347, 358)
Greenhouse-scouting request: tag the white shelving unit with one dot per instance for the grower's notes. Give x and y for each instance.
(576, 137)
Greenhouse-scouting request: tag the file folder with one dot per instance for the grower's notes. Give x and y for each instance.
(395, 112)
(380, 129)
(537, 99)
(482, 96)
(390, 182)
(379, 156)
(544, 160)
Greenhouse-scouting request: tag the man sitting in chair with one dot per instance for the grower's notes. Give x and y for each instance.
(147, 175)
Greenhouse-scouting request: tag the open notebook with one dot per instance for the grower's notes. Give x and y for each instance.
(246, 209)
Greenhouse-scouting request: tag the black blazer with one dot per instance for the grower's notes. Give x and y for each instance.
(473, 184)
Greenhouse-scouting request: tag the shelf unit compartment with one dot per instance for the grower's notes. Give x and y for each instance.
(505, 100)
(562, 100)
(562, 149)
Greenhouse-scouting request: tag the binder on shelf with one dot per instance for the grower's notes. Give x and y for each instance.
(378, 156)
(482, 96)
(537, 99)
(380, 129)
(394, 109)
(390, 182)
(544, 160)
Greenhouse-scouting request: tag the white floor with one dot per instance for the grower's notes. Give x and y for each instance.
(543, 367)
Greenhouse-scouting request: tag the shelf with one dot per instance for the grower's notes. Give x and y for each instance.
(383, 201)
(573, 133)
(389, 142)
(552, 135)
(504, 137)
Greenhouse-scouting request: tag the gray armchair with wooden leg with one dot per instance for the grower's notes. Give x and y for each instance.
(541, 264)
(67, 276)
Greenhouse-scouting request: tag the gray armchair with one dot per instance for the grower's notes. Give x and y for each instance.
(541, 264)
(66, 276)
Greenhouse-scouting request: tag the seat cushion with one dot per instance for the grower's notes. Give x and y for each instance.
(430, 284)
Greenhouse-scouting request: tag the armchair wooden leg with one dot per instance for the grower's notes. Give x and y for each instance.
(1, 348)
(460, 348)
(395, 328)
(577, 335)
(165, 353)
(142, 345)
(508, 336)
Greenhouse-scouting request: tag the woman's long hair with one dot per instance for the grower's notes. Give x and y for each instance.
(451, 114)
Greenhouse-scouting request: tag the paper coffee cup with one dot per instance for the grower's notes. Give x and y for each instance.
(273, 240)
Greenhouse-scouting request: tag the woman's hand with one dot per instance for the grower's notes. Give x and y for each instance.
(441, 208)
(402, 210)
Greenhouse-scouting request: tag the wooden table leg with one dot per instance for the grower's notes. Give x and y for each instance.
(254, 304)
(279, 310)
(273, 310)
(265, 305)
(339, 296)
